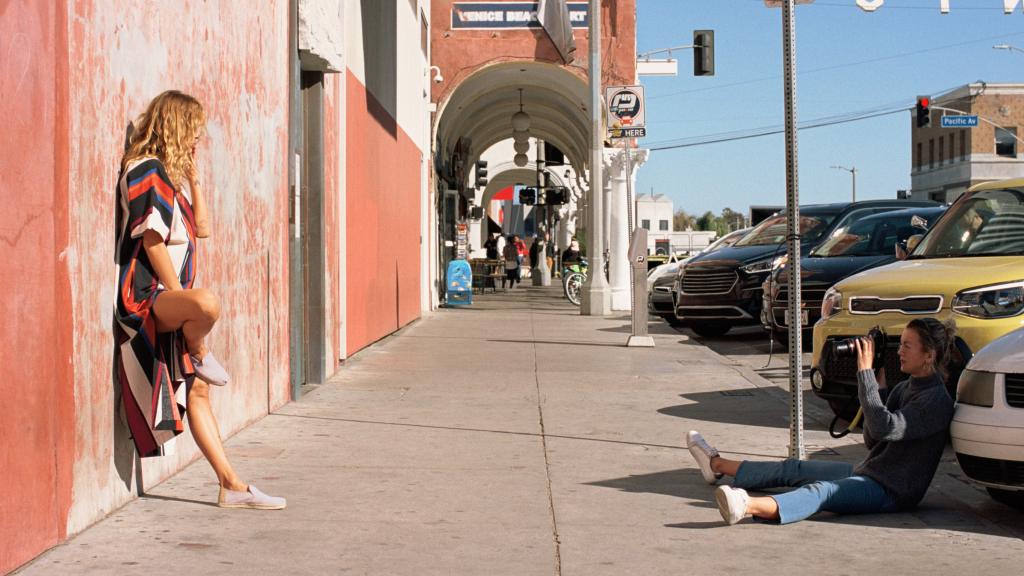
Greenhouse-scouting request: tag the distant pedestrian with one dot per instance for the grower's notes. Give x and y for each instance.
(571, 254)
(905, 431)
(535, 252)
(162, 365)
(549, 252)
(511, 256)
(491, 247)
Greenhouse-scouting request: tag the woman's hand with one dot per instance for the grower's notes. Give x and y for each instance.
(865, 348)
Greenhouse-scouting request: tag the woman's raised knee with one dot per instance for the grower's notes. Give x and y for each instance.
(208, 304)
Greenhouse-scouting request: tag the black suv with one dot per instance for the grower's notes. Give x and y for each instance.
(869, 242)
(723, 289)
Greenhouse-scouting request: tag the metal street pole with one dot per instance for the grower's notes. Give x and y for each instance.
(595, 297)
(796, 405)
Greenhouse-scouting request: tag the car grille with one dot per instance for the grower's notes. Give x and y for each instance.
(807, 294)
(910, 305)
(708, 281)
(1005, 472)
(1015, 390)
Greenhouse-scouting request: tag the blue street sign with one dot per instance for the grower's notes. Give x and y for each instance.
(959, 121)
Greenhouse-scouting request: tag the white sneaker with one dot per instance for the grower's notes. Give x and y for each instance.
(703, 453)
(252, 498)
(732, 503)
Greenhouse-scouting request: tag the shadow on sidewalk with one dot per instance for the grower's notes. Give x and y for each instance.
(745, 406)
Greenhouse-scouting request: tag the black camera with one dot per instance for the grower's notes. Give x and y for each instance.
(846, 348)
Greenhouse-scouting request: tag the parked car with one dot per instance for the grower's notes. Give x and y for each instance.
(867, 243)
(969, 266)
(719, 290)
(988, 425)
(660, 281)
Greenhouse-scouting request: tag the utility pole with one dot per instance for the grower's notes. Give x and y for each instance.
(796, 405)
(853, 172)
(595, 297)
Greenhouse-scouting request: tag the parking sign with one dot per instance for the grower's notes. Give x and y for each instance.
(625, 111)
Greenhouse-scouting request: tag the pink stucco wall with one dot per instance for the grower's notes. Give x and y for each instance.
(35, 335)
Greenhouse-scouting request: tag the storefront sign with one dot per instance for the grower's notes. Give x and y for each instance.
(508, 15)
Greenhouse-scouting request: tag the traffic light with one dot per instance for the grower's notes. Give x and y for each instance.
(481, 173)
(528, 196)
(924, 113)
(703, 52)
(556, 196)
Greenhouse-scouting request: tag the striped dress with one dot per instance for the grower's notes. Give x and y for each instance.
(151, 367)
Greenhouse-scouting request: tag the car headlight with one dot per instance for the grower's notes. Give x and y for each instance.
(762, 266)
(999, 301)
(831, 304)
(976, 388)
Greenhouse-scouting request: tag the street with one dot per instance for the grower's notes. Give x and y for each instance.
(517, 437)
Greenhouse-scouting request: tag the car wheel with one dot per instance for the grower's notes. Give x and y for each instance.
(1012, 498)
(845, 409)
(672, 320)
(710, 329)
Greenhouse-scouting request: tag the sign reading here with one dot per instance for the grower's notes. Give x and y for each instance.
(626, 117)
(508, 15)
(959, 121)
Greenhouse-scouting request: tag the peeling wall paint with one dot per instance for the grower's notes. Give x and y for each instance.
(233, 57)
(35, 336)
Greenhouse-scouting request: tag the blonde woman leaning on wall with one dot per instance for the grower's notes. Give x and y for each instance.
(162, 364)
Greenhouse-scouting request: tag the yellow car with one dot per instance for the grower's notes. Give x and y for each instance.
(969, 266)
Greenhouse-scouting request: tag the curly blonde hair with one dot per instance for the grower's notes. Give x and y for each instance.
(168, 130)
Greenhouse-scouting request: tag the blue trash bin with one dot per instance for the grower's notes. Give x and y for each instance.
(460, 283)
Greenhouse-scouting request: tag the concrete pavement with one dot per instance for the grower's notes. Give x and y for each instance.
(516, 437)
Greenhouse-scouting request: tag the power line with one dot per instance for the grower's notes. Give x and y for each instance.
(839, 66)
(758, 133)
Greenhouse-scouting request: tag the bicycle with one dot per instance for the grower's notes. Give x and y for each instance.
(574, 274)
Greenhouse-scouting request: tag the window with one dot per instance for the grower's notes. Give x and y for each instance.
(963, 144)
(424, 34)
(942, 150)
(920, 156)
(952, 148)
(645, 224)
(1006, 142)
(931, 153)
(663, 225)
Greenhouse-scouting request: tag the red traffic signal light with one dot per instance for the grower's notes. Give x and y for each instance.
(923, 112)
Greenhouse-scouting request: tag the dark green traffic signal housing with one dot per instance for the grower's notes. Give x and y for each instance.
(481, 173)
(923, 112)
(703, 52)
(528, 196)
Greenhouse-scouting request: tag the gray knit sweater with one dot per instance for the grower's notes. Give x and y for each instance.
(905, 435)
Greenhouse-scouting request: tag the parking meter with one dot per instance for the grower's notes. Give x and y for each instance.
(638, 266)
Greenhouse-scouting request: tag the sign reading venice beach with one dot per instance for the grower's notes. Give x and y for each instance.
(508, 15)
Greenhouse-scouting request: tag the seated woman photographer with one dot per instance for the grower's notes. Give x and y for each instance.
(905, 436)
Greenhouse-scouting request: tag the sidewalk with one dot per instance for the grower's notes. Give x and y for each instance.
(516, 437)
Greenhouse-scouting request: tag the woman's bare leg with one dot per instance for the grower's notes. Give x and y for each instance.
(763, 507)
(193, 311)
(207, 435)
(725, 466)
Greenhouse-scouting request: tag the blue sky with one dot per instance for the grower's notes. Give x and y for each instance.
(847, 61)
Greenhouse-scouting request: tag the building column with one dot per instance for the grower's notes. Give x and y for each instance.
(619, 232)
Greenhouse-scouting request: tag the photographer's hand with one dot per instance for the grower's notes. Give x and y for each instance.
(865, 353)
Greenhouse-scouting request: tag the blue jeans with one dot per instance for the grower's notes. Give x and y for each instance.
(827, 486)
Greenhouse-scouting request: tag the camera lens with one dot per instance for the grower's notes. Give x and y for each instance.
(844, 349)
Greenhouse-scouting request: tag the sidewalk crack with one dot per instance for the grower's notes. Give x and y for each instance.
(547, 460)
